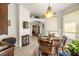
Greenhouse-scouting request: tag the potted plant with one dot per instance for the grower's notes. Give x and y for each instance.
(74, 47)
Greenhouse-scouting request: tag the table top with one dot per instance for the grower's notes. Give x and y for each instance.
(51, 38)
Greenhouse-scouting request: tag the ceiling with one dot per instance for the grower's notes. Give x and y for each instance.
(40, 8)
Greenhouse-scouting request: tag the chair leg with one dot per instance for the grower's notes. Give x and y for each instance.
(56, 52)
(39, 51)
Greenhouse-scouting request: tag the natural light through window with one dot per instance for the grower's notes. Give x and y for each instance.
(70, 27)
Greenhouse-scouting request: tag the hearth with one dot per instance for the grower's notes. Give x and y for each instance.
(25, 40)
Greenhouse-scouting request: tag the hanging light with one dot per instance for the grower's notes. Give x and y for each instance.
(49, 12)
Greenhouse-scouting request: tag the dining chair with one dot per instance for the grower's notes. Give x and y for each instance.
(64, 40)
(45, 47)
(10, 40)
(56, 44)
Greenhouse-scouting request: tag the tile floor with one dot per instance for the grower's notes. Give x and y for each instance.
(27, 50)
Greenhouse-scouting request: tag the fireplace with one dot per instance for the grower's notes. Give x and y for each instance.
(25, 40)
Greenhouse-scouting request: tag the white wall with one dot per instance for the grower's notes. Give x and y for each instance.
(51, 25)
(70, 30)
(17, 14)
(72, 18)
(12, 16)
(70, 27)
(12, 30)
(24, 15)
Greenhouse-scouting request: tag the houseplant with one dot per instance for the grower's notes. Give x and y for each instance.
(74, 47)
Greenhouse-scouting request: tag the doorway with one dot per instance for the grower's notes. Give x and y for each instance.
(35, 30)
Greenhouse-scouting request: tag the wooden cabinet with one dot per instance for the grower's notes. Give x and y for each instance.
(3, 18)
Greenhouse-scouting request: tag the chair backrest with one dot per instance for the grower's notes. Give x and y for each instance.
(45, 46)
(10, 40)
(64, 40)
(56, 43)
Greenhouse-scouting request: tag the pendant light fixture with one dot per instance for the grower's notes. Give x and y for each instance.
(49, 13)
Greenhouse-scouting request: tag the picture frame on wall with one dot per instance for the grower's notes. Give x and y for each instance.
(25, 24)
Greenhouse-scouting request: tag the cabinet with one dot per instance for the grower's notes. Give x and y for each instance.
(3, 18)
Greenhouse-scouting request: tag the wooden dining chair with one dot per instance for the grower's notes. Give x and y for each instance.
(45, 47)
(56, 44)
(64, 40)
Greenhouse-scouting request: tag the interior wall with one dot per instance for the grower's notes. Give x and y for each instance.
(51, 25)
(24, 15)
(12, 31)
(12, 17)
(70, 30)
(72, 18)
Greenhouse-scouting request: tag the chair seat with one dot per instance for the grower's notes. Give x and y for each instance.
(10, 40)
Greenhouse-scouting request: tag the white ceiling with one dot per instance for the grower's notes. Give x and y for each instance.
(40, 8)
